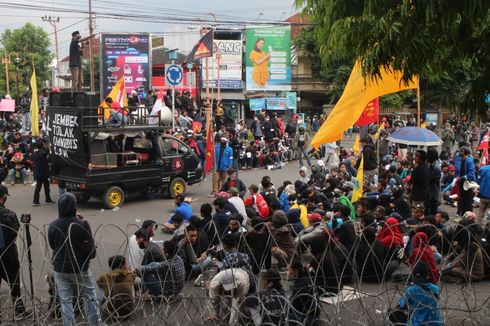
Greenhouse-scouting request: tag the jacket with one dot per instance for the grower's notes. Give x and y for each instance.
(9, 227)
(434, 181)
(469, 167)
(484, 181)
(370, 162)
(242, 189)
(420, 182)
(70, 238)
(305, 138)
(41, 164)
(118, 287)
(421, 299)
(223, 160)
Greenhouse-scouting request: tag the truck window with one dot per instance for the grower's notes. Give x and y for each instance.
(173, 147)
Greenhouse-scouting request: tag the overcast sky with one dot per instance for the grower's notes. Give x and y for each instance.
(157, 14)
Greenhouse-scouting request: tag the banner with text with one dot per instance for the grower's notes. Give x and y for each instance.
(268, 58)
(125, 55)
(64, 130)
(230, 66)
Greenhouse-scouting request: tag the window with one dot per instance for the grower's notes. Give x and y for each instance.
(172, 147)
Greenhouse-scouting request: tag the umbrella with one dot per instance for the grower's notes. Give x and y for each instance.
(415, 136)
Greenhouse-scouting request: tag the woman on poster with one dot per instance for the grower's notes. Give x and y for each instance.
(260, 60)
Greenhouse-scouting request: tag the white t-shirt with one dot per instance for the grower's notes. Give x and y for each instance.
(240, 207)
(135, 256)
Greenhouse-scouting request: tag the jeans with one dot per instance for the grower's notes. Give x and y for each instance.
(302, 151)
(197, 269)
(118, 117)
(66, 284)
(23, 175)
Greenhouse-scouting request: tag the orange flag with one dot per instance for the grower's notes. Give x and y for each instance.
(118, 94)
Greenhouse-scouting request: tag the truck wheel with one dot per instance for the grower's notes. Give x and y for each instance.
(176, 187)
(82, 197)
(113, 197)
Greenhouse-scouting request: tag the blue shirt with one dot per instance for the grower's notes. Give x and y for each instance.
(185, 209)
(422, 305)
(484, 181)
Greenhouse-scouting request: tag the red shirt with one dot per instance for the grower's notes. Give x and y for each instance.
(258, 202)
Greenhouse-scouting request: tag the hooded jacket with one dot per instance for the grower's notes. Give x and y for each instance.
(423, 252)
(390, 235)
(370, 162)
(69, 237)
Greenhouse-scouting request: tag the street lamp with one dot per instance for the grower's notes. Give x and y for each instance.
(6, 60)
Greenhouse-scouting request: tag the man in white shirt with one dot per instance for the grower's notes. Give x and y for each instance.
(135, 256)
(238, 203)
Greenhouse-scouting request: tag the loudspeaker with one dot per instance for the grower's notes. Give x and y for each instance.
(88, 103)
(60, 99)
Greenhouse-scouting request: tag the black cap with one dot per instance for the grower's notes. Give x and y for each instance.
(147, 223)
(4, 191)
(75, 33)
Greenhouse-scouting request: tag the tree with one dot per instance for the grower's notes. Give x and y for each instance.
(335, 73)
(424, 38)
(86, 72)
(31, 43)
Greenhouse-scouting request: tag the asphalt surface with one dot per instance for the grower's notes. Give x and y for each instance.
(461, 304)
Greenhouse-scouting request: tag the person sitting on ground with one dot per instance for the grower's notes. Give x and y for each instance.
(136, 254)
(151, 280)
(346, 232)
(233, 181)
(118, 287)
(283, 244)
(229, 207)
(419, 305)
(239, 205)
(258, 245)
(303, 175)
(390, 235)
(178, 226)
(304, 309)
(423, 252)
(171, 271)
(220, 218)
(193, 249)
(257, 201)
(183, 208)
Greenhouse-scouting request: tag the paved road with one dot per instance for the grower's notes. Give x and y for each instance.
(111, 228)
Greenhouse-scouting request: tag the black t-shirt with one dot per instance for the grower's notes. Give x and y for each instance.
(75, 56)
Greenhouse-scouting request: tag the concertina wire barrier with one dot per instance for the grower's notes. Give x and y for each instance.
(359, 302)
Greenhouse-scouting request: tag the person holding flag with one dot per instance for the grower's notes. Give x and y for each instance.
(369, 163)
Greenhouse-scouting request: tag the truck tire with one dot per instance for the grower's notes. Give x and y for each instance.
(113, 197)
(176, 187)
(83, 197)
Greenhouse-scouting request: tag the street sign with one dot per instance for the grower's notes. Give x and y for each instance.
(174, 74)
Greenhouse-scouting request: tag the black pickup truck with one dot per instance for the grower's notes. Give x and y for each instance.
(93, 159)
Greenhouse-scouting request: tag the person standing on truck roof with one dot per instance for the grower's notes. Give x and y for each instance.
(224, 161)
(41, 173)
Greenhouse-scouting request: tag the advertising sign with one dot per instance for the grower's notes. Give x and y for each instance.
(230, 67)
(64, 130)
(292, 101)
(276, 103)
(125, 55)
(257, 104)
(268, 58)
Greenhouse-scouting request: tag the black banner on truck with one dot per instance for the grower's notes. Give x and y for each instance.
(64, 130)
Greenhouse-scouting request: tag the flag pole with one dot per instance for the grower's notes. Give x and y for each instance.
(418, 103)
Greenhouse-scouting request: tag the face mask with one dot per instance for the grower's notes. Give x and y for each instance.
(141, 245)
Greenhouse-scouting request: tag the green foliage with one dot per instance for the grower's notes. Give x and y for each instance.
(86, 72)
(431, 39)
(31, 43)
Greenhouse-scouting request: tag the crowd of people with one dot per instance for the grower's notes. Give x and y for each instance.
(241, 244)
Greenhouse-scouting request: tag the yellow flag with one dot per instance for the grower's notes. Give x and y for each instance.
(357, 193)
(34, 106)
(118, 94)
(381, 127)
(356, 148)
(358, 92)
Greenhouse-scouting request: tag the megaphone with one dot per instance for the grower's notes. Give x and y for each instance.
(467, 185)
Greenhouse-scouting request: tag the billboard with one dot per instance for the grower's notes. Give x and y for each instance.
(257, 104)
(128, 55)
(230, 67)
(268, 58)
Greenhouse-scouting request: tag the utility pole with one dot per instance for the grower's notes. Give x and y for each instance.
(53, 21)
(91, 58)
